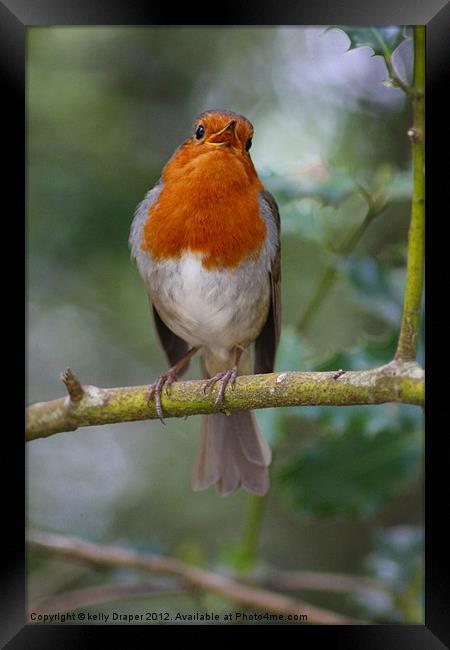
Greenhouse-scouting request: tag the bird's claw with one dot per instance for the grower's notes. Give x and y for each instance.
(225, 377)
(155, 391)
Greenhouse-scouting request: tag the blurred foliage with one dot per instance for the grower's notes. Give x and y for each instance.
(106, 109)
(353, 470)
(397, 565)
(365, 455)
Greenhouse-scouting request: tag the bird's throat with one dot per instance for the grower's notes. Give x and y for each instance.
(209, 206)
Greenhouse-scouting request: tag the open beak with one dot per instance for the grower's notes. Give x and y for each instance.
(226, 137)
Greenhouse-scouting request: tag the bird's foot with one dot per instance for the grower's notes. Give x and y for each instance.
(225, 377)
(155, 390)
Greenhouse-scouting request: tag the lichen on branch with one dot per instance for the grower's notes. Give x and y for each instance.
(394, 382)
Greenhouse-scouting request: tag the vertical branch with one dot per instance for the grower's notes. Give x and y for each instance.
(407, 344)
(251, 529)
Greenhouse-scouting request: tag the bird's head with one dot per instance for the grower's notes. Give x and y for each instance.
(224, 130)
(218, 149)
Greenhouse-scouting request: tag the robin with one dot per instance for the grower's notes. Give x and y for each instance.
(207, 245)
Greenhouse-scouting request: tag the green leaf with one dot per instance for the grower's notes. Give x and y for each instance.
(382, 40)
(352, 474)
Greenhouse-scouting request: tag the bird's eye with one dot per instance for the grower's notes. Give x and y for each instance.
(248, 145)
(200, 132)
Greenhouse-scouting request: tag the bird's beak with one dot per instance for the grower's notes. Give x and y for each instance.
(225, 137)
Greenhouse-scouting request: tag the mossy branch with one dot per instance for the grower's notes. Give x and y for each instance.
(394, 382)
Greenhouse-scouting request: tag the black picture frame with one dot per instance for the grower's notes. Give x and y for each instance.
(16, 16)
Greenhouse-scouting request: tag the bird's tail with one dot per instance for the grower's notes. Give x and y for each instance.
(232, 452)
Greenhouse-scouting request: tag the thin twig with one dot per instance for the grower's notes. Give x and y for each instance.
(395, 79)
(315, 581)
(72, 548)
(73, 385)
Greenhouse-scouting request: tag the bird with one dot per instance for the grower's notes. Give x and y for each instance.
(206, 242)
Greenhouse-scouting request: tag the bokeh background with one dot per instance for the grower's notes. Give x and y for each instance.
(106, 109)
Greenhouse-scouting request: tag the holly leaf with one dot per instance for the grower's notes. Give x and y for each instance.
(383, 41)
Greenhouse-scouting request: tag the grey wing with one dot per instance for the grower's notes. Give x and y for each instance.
(173, 345)
(267, 342)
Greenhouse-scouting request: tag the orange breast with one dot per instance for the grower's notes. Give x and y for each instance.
(208, 204)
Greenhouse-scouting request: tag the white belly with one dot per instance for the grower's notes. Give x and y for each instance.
(216, 309)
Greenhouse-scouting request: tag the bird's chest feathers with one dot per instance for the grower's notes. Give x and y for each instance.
(216, 308)
(211, 209)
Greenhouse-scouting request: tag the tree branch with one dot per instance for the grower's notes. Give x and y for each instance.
(407, 343)
(247, 550)
(395, 382)
(72, 548)
(316, 581)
